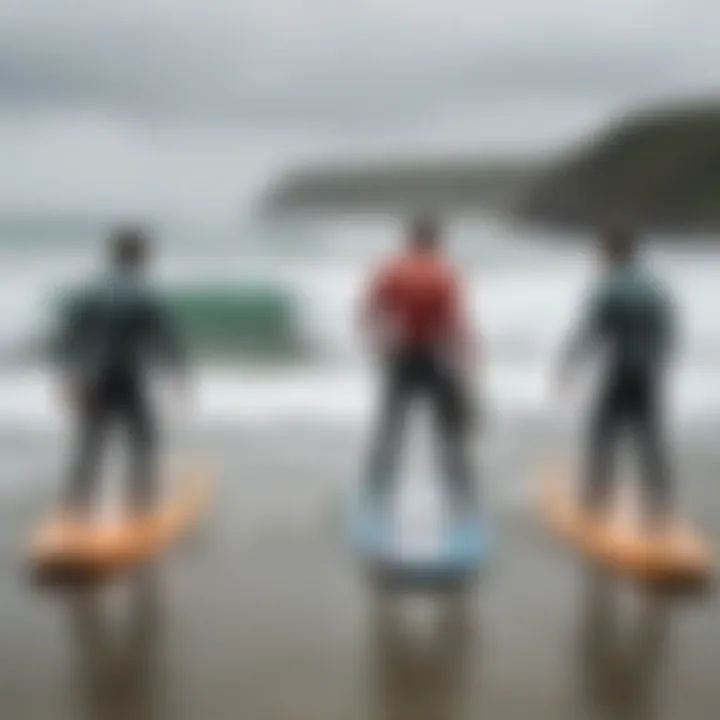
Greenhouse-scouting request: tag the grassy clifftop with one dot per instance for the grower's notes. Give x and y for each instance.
(447, 184)
(660, 167)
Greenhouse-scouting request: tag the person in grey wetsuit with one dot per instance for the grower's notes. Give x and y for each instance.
(630, 318)
(109, 337)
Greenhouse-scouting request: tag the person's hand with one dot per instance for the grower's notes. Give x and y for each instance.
(563, 384)
(466, 362)
(74, 393)
(181, 389)
(475, 411)
(472, 363)
(466, 355)
(68, 394)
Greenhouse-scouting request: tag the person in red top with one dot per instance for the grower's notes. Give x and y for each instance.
(414, 315)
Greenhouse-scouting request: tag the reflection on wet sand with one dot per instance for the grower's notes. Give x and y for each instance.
(622, 658)
(118, 662)
(420, 672)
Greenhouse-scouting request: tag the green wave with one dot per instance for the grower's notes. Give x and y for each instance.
(232, 320)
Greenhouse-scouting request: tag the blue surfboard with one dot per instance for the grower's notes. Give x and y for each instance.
(461, 555)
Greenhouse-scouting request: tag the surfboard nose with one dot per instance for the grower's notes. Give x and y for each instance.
(464, 542)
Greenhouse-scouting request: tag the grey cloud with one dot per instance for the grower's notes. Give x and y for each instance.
(188, 105)
(191, 67)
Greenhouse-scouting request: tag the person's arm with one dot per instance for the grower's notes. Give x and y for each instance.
(166, 337)
(373, 306)
(171, 347)
(68, 345)
(462, 339)
(585, 335)
(667, 329)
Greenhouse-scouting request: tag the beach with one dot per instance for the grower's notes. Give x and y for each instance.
(239, 228)
(263, 613)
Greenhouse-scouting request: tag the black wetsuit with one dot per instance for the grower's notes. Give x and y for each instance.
(422, 373)
(630, 318)
(107, 340)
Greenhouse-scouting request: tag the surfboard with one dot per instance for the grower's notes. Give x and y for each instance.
(620, 539)
(95, 548)
(456, 561)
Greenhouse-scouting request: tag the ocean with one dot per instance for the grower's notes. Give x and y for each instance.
(263, 609)
(274, 311)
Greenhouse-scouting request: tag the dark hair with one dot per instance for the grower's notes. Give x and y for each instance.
(619, 240)
(130, 247)
(424, 232)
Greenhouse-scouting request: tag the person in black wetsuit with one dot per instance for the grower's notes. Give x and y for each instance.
(109, 337)
(630, 319)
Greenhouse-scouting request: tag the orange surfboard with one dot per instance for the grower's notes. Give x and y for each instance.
(95, 549)
(619, 539)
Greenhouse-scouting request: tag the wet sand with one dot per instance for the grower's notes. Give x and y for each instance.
(263, 615)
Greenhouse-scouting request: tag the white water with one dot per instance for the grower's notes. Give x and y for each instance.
(523, 291)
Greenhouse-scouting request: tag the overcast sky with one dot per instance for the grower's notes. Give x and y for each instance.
(190, 106)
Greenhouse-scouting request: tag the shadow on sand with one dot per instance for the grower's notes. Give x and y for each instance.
(621, 658)
(118, 658)
(420, 672)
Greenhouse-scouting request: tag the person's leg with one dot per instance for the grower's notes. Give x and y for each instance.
(83, 476)
(604, 426)
(648, 427)
(141, 429)
(390, 427)
(451, 417)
